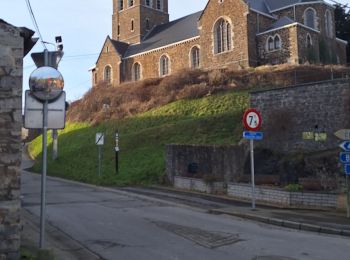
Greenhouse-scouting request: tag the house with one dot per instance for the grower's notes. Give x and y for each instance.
(227, 33)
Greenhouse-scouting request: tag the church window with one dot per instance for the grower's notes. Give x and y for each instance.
(310, 18)
(118, 29)
(147, 25)
(120, 5)
(108, 74)
(277, 42)
(132, 25)
(159, 5)
(222, 36)
(270, 44)
(195, 57)
(164, 66)
(329, 23)
(308, 41)
(136, 72)
(131, 3)
(149, 3)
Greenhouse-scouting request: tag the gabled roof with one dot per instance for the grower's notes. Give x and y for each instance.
(120, 47)
(269, 6)
(169, 33)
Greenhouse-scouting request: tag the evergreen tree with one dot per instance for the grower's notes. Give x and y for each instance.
(342, 25)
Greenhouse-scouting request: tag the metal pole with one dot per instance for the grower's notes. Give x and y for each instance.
(44, 166)
(99, 160)
(116, 162)
(347, 197)
(54, 144)
(252, 171)
(43, 178)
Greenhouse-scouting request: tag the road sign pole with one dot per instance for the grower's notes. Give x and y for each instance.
(43, 177)
(347, 196)
(252, 171)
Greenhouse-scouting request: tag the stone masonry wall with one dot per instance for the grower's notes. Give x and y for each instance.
(283, 198)
(288, 112)
(11, 55)
(223, 161)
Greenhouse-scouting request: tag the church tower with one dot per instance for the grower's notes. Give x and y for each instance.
(133, 19)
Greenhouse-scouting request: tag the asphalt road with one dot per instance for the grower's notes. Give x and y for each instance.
(119, 224)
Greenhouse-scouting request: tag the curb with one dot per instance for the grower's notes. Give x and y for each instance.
(285, 223)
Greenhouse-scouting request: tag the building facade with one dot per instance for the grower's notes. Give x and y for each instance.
(227, 33)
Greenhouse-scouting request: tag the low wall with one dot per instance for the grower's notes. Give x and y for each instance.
(282, 197)
(199, 185)
(222, 161)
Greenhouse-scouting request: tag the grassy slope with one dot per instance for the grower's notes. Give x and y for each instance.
(211, 120)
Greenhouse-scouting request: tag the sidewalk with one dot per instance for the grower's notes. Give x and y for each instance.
(320, 221)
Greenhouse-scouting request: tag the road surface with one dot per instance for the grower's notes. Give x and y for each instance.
(119, 224)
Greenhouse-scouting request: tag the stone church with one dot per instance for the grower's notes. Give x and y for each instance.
(227, 33)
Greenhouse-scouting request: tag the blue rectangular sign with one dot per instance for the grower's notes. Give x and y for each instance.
(344, 157)
(253, 135)
(347, 169)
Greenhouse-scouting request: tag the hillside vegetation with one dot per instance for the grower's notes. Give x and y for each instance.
(192, 107)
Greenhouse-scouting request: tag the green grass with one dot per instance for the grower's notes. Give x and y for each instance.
(211, 120)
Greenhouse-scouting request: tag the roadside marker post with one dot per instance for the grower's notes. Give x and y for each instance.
(99, 141)
(252, 122)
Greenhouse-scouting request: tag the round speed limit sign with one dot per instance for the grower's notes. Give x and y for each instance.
(252, 120)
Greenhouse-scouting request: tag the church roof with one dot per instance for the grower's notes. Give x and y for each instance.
(165, 34)
(281, 22)
(269, 6)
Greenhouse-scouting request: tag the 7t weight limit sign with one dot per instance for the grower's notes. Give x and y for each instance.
(252, 120)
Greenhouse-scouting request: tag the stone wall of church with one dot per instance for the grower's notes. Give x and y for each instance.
(179, 56)
(108, 57)
(11, 69)
(308, 54)
(236, 12)
(288, 52)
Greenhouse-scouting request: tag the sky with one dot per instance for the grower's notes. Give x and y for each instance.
(84, 26)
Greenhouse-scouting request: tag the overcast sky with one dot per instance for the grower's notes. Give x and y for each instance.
(83, 25)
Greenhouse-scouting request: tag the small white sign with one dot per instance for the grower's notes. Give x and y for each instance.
(100, 139)
(33, 112)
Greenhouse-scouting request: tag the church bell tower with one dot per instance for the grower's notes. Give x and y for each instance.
(133, 19)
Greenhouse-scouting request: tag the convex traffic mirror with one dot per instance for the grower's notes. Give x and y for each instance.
(46, 83)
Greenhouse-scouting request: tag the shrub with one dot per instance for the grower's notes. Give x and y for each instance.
(294, 187)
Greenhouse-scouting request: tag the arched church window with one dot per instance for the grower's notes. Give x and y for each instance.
(277, 42)
(136, 71)
(164, 65)
(308, 41)
(310, 18)
(329, 24)
(195, 57)
(149, 3)
(131, 3)
(108, 74)
(148, 27)
(270, 44)
(222, 36)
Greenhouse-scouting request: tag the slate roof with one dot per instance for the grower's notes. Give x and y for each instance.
(269, 6)
(165, 34)
(281, 22)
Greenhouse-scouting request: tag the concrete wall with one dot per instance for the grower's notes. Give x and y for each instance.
(221, 161)
(283, 198)
(199, 185)
(288, 112)
(11, 55)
